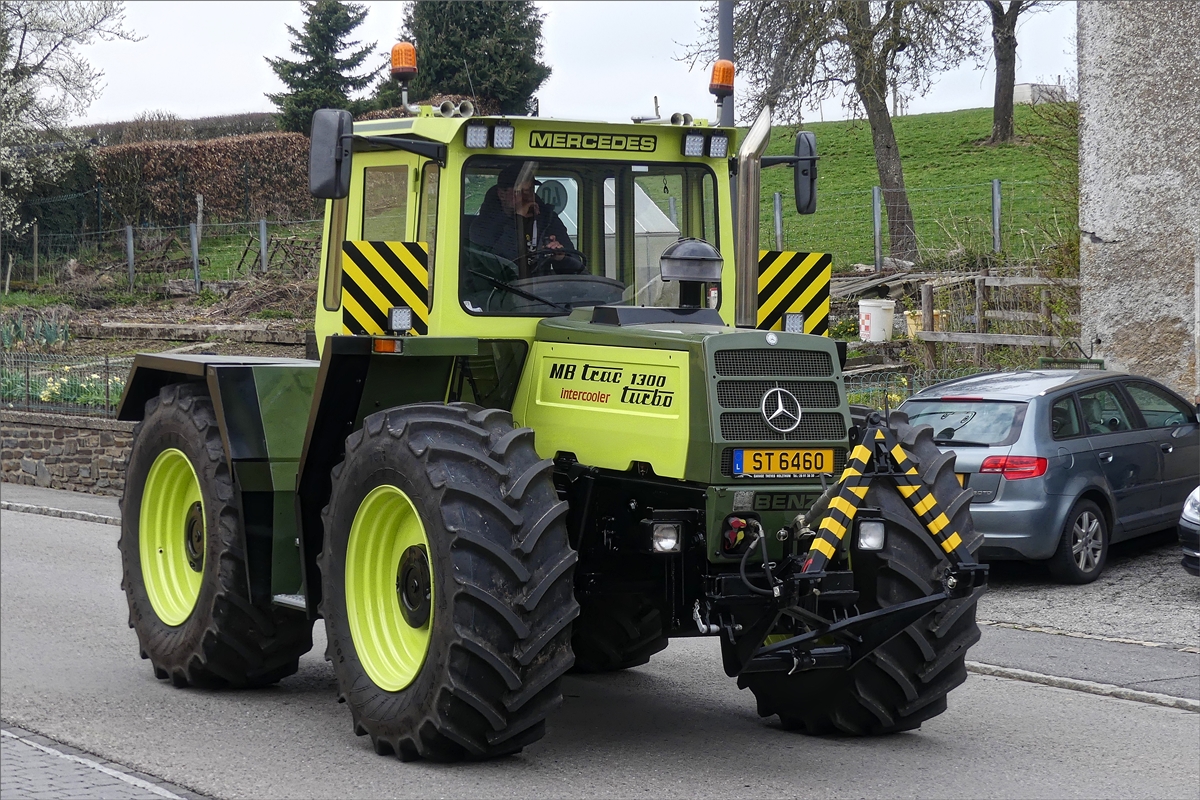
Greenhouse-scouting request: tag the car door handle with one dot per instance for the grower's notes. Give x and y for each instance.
(1106, 457)
(1166, 447)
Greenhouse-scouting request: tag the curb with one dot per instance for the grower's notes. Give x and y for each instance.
(1089, 687)
(141, 780)
(47, 511)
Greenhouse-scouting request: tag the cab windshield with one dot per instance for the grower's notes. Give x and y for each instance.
(542, 237)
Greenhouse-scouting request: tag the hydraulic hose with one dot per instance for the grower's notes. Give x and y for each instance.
(758, 538)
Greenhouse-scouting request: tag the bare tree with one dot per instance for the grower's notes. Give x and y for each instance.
(1004, 47)
(797, 53)
(44, 82)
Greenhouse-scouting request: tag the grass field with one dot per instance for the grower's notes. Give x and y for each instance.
(948, 171)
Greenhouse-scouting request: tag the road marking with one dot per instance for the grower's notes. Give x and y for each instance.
(82, 516)
(1090, 687)
(1077, 635)
(87, 762)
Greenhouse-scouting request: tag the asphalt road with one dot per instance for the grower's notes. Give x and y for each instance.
(674, 728)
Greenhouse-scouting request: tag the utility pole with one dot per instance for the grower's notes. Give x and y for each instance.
(725, 51)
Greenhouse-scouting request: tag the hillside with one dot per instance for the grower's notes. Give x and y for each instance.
(948, 171)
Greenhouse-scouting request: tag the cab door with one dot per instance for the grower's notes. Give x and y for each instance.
(373, 259)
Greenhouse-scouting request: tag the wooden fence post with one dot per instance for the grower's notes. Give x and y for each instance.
(35, 252)
(927, 321)
(981, 306)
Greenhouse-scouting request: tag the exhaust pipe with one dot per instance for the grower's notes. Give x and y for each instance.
(448, 109)
(745, 253)
(466, 109)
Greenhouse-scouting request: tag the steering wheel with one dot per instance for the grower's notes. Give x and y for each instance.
(543, 261)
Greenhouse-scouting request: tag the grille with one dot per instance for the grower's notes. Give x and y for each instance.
(839, 461)
(741, 426)
(788, 363)
(749, 394)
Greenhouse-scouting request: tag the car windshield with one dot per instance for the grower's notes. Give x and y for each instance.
(968, 422)
(542, 237)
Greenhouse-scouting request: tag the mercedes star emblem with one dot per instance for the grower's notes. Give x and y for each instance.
(781, 410)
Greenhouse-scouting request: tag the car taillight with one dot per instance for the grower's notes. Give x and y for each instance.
(1014, 468)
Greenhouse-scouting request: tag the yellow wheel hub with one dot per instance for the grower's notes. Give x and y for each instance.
(389, 588)
(171, 537)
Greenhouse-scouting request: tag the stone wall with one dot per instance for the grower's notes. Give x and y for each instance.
(60, 451)
(1139, 181)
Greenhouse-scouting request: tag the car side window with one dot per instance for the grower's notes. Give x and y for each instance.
(1103, 411)
(1064, 419)
(1159, 409)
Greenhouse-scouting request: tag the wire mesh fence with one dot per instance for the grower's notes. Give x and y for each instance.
(144, 256)
(890, 389)
(955, 225)
(89, 385)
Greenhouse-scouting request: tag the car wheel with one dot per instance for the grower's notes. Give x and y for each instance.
(1083, 546)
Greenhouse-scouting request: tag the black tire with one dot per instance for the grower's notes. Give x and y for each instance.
(502, 571)
(616, 632)
(1086, 524)
(906, 681)
(226, 640)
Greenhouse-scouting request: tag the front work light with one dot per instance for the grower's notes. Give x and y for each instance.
(870, 534)
(503, 137)
(665, 537)
(400, 319)
(793, 322)
(477, 136)
(718, 146)
(693, 144)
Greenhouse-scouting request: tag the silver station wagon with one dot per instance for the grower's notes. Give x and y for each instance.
(1064, 463)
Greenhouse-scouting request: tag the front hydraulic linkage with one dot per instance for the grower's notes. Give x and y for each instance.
(801, 588)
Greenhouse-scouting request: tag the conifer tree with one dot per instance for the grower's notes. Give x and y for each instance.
(323, 77)
(490, 50)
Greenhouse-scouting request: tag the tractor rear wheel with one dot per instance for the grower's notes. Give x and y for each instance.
(616, 632)
(905, 681)
(447, 583)
(183, 560)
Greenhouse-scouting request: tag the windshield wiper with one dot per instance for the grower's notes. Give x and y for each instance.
(499, 284)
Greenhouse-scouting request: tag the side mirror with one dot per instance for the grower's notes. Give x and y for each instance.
(804, 172)
(329, 154)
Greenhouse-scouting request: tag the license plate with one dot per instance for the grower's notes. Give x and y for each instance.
(782, 462)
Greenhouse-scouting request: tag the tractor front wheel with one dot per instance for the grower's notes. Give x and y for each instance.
(447, 583)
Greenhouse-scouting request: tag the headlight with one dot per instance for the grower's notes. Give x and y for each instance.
(665, 538)
(870, 534)
(1191, 507)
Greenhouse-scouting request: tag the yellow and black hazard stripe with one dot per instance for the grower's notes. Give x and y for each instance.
(379, 275)
(842, 508)
(795, 282)
(854, 481)
(922, 501)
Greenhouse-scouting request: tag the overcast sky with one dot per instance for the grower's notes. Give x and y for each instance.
(609, 59)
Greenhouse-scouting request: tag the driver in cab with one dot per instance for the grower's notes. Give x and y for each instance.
(514, 224)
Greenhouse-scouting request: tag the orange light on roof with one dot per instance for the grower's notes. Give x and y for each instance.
(721, 83)
(404, 61)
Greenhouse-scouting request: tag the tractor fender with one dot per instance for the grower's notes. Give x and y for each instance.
(354, 381)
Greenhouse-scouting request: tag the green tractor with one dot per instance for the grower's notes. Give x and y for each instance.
(562, 410)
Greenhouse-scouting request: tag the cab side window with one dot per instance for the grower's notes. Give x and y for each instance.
(385, 204)
(1064, 419)
(1159, 409)
(1103, 411)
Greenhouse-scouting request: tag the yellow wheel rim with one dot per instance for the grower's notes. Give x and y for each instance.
(171, 537)
(389, 588)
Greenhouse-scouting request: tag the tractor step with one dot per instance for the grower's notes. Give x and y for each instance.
(291, 601)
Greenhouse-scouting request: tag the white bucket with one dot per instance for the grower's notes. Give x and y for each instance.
(875, 319)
